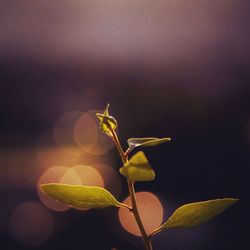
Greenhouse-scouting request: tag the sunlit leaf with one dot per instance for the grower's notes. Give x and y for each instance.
(81, 196)
(146, 142)
(107, 122)
(197, 213)
(138, 168)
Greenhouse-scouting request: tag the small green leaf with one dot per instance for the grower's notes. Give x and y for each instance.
(81, 196)
(196, 213)
(146, 142)
(107, 122)
(138, 168)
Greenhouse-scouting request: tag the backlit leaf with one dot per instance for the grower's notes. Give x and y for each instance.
(138, 168)
(196, 213)
(107, 122)
(81, 196)
(146, 142)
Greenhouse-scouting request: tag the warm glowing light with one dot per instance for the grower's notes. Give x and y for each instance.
(68, 119)
(49, 154)
(12, 160)
(31, 224)
(64, 133)
(65, 140)
(150, 210)
(52, 175)
(71, 177)
(77, 175)
(112, 180)
(86, 132)
(88, 175)
(102, 144)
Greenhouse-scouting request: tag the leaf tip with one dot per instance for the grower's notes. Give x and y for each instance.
(234, 200)
(153, 175)
(231, 200)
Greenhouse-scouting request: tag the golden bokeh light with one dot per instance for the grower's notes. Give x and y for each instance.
(31, 224)
(52, 175)
(88, 175)
(150, 210)
(70, 177)
(77, 175)
(65, 140)
(49, 154)
(64, 133)
(86, 132)
(68, 119)
(14, 160)
(111, 178)
(102, 143)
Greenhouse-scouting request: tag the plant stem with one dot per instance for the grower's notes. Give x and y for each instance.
(131, 188)
(117, 143)
(155, 232)
(145, 238)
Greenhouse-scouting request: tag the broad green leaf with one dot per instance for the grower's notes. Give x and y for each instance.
(138, 168)
(81, 196)
(107, 122)
(146, 142)
(196, 213)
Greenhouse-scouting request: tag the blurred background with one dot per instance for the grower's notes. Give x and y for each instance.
(169, 68)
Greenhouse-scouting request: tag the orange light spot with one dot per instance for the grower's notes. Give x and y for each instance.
(88, 175)
(111, 178)
(64, 133)
(31, 224)
(71, 177)
(65, 140)
(49, 154)
(52, 175)
(150, 210)
(86, 132)
(77, 175)
(68, 119)
(102, 142)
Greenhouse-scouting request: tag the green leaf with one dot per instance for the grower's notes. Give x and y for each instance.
(196, 213)
(138, 168)
(146, 142)
(81, 196)
(107, 122)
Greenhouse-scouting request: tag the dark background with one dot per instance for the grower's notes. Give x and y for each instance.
(168, 68)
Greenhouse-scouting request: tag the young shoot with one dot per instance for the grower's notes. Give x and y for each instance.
(135, 168)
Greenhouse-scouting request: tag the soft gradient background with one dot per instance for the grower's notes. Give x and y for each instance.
(169, 68)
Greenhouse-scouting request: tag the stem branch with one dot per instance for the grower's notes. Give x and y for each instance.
(124, 158)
